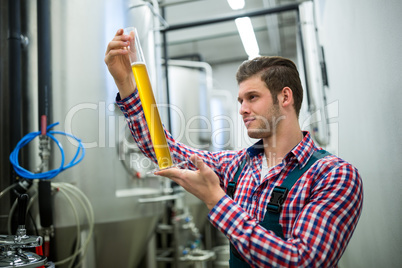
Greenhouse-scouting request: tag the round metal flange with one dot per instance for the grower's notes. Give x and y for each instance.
(12, 259)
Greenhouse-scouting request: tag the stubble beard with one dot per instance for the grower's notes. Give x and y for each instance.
(267, 124)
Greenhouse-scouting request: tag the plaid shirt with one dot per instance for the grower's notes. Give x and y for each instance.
(318, 217)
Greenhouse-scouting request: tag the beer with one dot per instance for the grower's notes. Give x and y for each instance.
(152, 117)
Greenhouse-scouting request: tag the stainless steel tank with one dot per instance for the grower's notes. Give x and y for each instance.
(190, 87)
(111, 174)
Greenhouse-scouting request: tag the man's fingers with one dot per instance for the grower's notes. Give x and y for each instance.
(169, 172)
(119, 32)
(115, 48)
(120, 40)
(198, 162)
(116, 45)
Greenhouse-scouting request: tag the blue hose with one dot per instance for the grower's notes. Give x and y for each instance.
(22, 172)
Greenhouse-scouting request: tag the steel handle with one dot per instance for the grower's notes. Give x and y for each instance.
(22, 208)
(199, 255)
(159, 198)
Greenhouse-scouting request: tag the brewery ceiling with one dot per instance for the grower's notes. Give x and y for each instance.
(205, 29)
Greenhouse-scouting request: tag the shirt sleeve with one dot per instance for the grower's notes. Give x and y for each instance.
(134, 114)
(318, 236)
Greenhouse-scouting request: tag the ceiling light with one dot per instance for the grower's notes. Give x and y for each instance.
(236, 4)
(247, 36)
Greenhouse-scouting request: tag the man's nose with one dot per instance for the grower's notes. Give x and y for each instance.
(243, 108)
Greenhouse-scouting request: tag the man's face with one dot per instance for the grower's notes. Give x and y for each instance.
(261, 115)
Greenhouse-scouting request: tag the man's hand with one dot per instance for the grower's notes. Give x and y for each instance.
(203, 183)
(118, 63)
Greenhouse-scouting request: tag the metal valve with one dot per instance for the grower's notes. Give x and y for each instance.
(11, 246)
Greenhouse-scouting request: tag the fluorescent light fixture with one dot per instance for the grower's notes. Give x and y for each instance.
(247, 36)
(236, 4)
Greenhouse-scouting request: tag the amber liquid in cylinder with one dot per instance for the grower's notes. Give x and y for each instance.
(152, 117)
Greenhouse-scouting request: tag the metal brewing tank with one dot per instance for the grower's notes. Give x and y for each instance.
(83, 95)
(190, 116)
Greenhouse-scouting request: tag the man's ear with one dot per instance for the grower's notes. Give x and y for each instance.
(286, 97)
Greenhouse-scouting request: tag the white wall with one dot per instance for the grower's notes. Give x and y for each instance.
(363, 41)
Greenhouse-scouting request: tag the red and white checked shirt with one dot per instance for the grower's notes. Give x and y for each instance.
(318, 217)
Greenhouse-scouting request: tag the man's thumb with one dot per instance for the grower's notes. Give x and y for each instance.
(198, 162)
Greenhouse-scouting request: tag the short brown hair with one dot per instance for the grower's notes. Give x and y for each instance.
(277, 73)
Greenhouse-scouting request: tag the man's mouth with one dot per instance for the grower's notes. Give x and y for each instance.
(247, 121)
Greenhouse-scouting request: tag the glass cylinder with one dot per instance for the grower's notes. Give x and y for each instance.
(138, 66)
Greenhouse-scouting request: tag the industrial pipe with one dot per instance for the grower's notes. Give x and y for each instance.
(259, 12)
(44, 96)
(166, 56)
(44, 59)
(15, 85)
(15, 76)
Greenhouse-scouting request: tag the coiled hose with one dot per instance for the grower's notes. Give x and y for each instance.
(24, 173)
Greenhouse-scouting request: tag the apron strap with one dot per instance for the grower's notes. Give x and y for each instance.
(280, 193)
(232, 184)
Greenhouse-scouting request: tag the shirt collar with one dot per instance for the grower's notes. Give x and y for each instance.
(256, 149)
(302, 151)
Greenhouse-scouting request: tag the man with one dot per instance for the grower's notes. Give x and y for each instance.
(282, 202)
